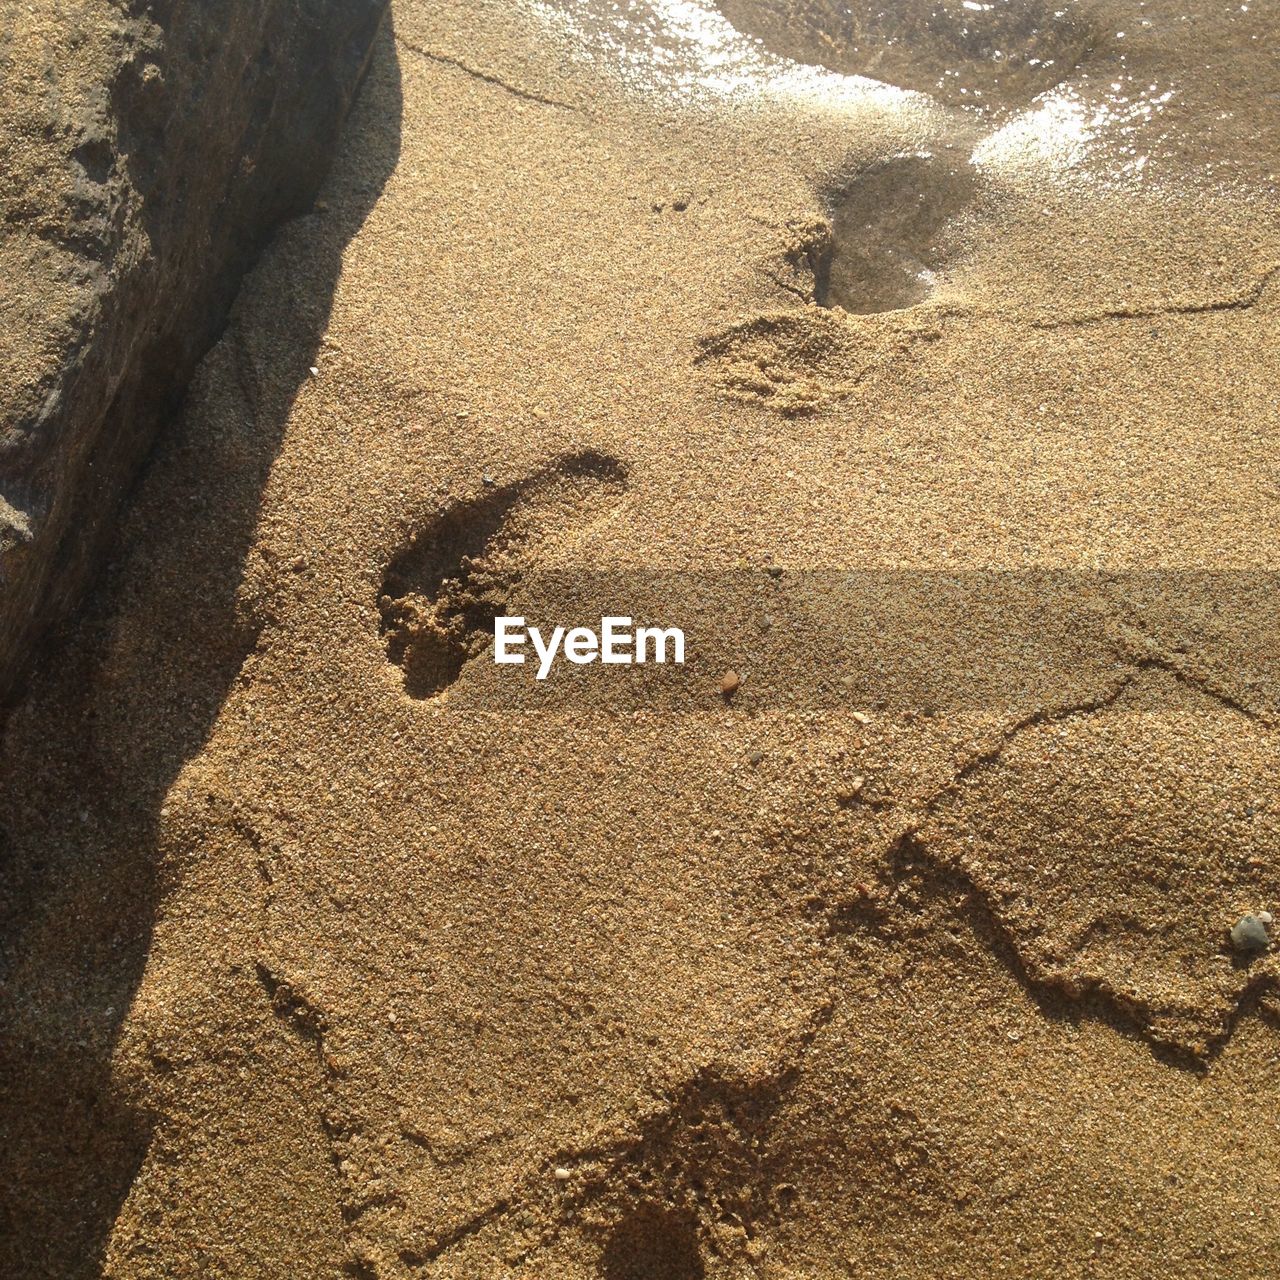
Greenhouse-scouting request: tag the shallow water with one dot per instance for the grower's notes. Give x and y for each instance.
(1095, 88)
(995, 56)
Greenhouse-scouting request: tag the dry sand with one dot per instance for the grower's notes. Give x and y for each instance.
(323, 963)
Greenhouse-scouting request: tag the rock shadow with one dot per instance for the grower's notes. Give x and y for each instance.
(128, 693)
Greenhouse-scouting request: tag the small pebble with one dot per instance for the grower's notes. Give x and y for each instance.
(487, 479)
(755, 757)
(1266, 917)
(861, 717)
(850, 791)
(1250, 934)
(729, 683)
(563, 1174)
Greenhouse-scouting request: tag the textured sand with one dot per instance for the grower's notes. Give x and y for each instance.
(851, 974)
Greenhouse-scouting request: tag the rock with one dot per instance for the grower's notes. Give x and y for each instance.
(146, 154)
(730, 683)
(1249, 934)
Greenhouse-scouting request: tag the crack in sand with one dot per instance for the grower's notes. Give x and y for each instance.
(805, 297)
(1120, 1010)
(487, 77)
(1147, 655)
(1240, 302)
(1245, 300)
(296, 1011)
(463, 1231)
(1139, 1013)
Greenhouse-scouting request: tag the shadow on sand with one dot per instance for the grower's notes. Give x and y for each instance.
(127, 697)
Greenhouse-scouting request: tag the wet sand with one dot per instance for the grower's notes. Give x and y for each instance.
(335, 949)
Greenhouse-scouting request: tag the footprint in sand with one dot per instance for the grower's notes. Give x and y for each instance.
(996, 55)
(891, 233)
(442, 592)
(793, 362)
(888, 233)
(890, 229)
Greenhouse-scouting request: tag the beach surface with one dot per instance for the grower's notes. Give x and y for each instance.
(921, 368)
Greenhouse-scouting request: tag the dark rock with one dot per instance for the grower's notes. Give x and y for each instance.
(1249, 934)
(146, 154)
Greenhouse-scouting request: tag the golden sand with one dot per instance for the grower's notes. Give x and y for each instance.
(320, 971)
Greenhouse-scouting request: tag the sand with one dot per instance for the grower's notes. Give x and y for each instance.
(947, 422)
